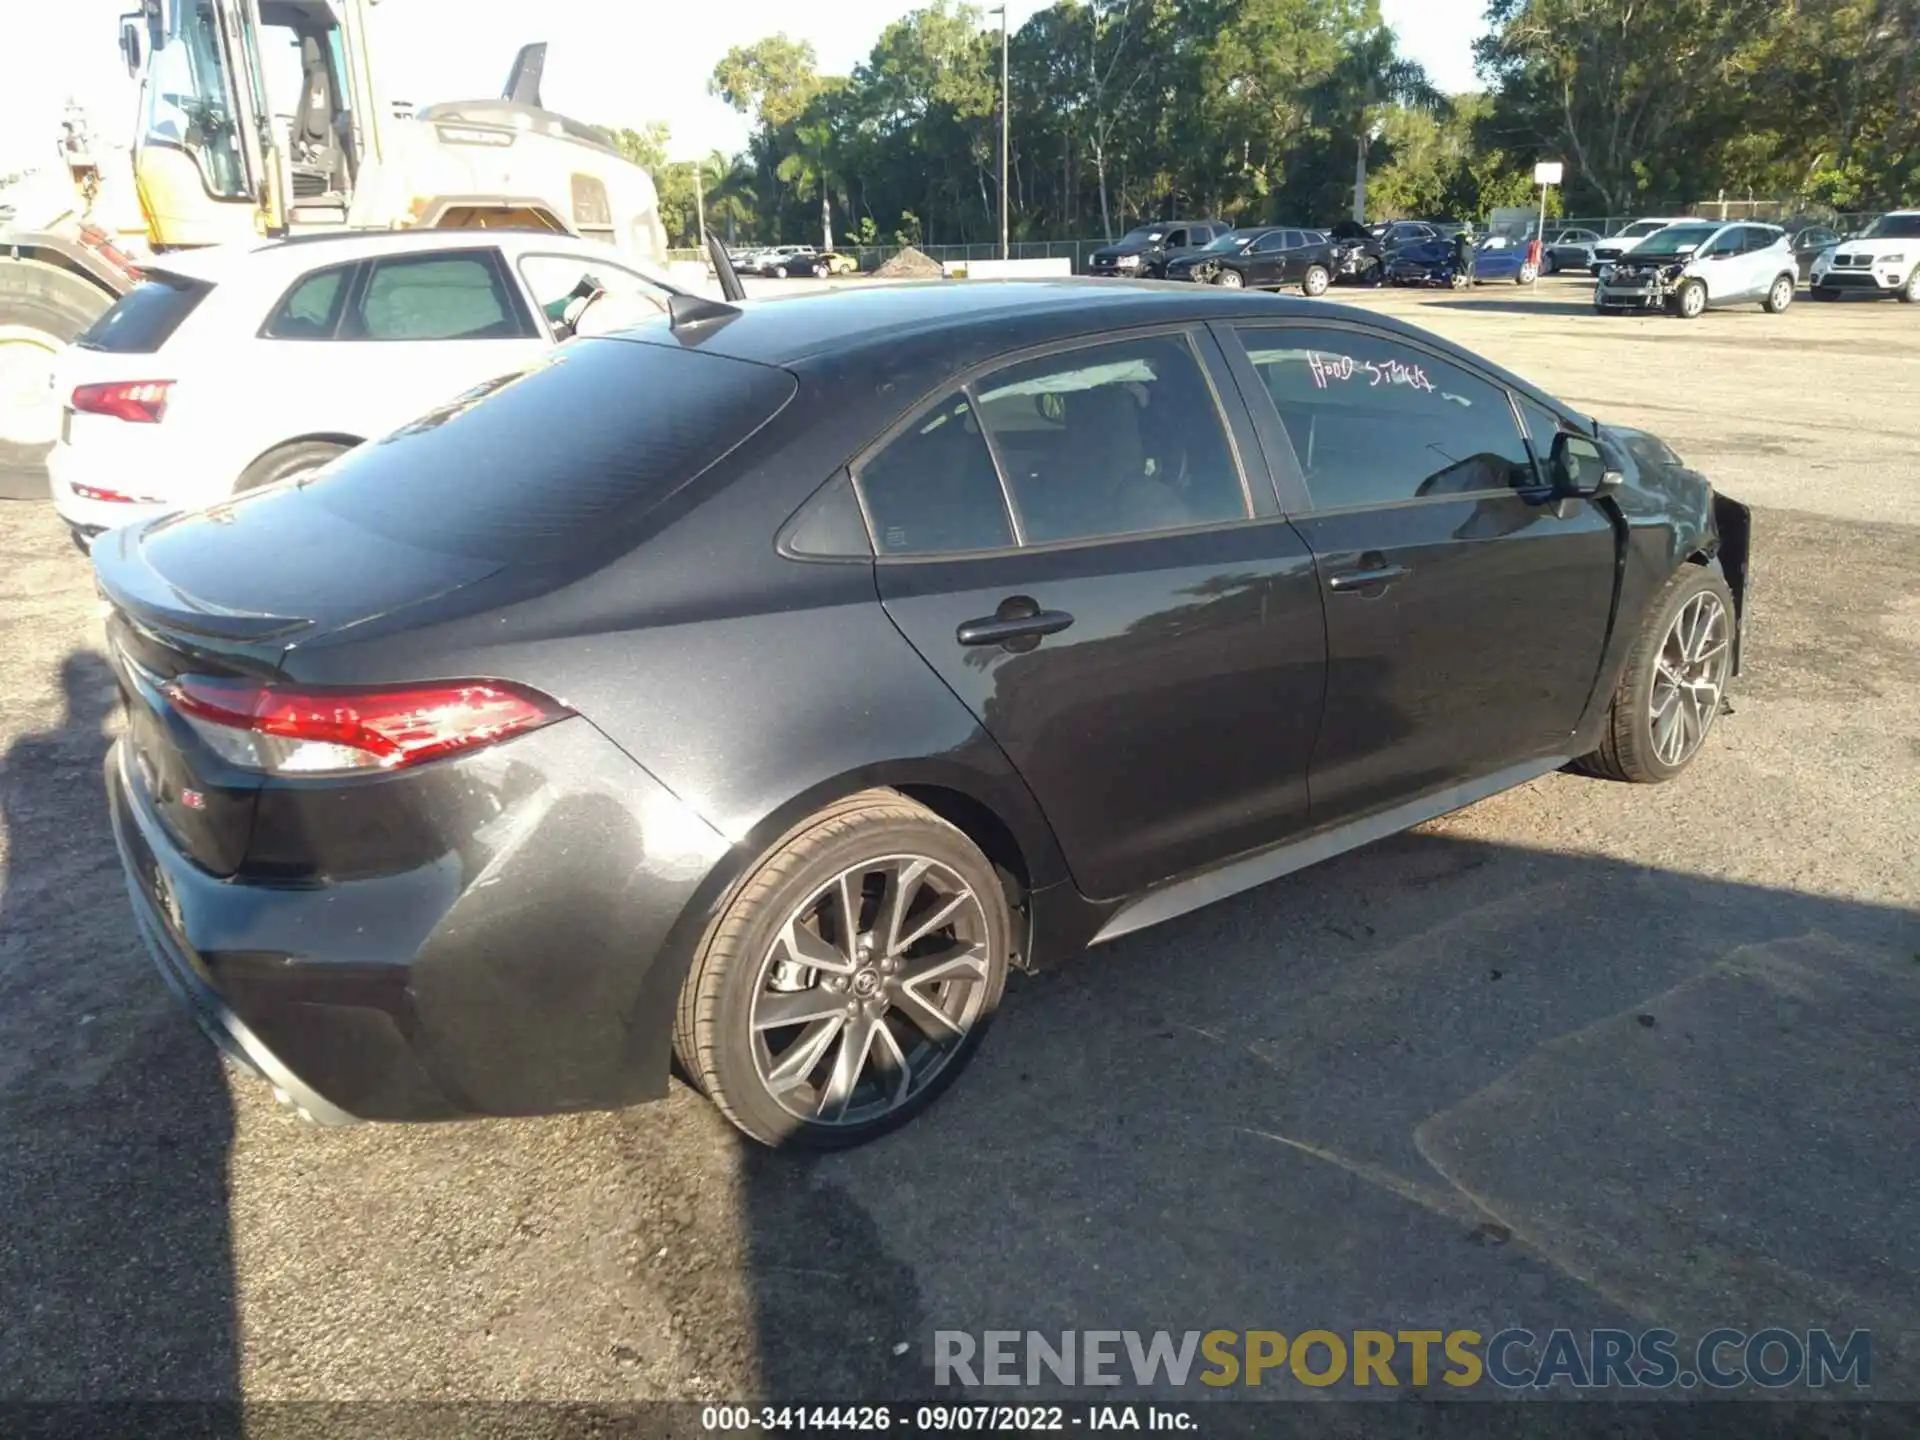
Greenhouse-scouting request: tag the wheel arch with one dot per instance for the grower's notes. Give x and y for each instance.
(318, 437)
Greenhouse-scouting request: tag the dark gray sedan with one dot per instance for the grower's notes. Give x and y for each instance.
(1569, 250)
(897, 638)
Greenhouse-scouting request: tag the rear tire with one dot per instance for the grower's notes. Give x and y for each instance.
(43, 308)
(1552, 266)
(1527, 274)
(1315, 281)
(754, 965)
(287, 462)
(822, 271)
(1636, 744)
(1779, 297)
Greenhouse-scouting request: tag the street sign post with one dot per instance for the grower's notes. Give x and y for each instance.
(1545, 173)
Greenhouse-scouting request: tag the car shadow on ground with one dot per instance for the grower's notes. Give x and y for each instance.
(115, 1255)
(1439, 1083)
(1519, 305)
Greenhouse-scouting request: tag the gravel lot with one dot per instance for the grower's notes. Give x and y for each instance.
(1585, 1054)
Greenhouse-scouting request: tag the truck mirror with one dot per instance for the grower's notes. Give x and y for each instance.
(130, 46)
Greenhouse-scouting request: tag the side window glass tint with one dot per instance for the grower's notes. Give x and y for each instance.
(830, 523)
(437, 297)
(1112, 440)
(933, 488)
(1374, 421)
(312, 307)
(1270, 242)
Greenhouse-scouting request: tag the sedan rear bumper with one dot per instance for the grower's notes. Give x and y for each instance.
(530, 968)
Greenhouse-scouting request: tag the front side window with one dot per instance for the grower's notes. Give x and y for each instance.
(187, 99)
(436, 297)
(1271, 243)
(933, 487)
(1110, 440)
(311, 309)
(1376, 422)
(555, 280)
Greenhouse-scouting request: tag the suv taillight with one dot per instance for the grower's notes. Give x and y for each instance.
(142, 401)
(290, 731)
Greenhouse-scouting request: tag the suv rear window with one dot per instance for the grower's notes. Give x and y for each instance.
(559, 455)
(143, 319)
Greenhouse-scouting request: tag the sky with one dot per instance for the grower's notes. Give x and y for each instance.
(608, 63)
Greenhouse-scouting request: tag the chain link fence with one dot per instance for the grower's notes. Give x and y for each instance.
(871, 257)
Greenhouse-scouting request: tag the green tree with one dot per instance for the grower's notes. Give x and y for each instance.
(1369, 75)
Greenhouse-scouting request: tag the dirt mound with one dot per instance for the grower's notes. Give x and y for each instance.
(910, 264)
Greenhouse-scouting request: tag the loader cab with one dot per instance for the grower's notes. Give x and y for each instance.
(245, 127)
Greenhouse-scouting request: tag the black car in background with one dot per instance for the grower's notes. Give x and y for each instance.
(1808, 241)
(554, 739)
(1142, 253)
(1267, 257)
(1569, 250)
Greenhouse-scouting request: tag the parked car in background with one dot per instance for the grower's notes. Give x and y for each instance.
(1143, 252)
(1689, 268)
(1569, 250)
(774, 261)
(1808, 242)
(229, 369)
(1612, 247)
(820, 264)
(1262, 258)
(1434, 262)
(1357, 254)
(440, 794)
(1883, 259)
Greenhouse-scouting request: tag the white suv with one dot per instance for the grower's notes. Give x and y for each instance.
(1687, 268)
(1883, 259)
(230, 368)
(1610, 248)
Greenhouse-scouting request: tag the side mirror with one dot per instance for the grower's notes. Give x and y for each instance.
(1579, 467)
(130, 47)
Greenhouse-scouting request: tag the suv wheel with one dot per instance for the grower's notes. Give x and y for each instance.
(1315, 281)
(1230, 277)
(849, 979)
(1779, 297)
(1691, 300)
(288, 461)
(1909, 293)
(1669, 693)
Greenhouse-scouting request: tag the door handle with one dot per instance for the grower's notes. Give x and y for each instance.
(1361, 579)
(1012, 623)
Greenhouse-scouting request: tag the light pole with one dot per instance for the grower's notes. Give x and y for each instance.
(1005, 121)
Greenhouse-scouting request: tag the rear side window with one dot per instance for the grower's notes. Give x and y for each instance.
(438, 297)
(311, 308)
(933, 488)
(144, 319)
(555, 457)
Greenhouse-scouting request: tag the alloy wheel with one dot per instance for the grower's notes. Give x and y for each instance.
(869, 990)
(1230, 278)
(1690, 673)
(29, 411)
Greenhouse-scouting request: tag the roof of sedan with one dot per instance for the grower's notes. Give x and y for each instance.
(790, 330)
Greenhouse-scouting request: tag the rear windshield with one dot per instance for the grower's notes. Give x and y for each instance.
(538, 463)
(141, 321)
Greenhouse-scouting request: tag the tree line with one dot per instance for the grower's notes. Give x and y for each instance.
(1256, 110)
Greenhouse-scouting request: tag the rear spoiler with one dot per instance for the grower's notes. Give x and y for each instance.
(132, 585)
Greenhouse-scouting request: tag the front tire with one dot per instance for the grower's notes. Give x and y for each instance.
(1670, 691)
(1230, 279)
(850, 978)
(822, 271)
(1315, 281)
(1909, 293)
(288, 461)
(1779, 297)
(1691, 301)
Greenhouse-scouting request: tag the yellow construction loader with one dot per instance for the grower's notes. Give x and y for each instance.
(267, 118)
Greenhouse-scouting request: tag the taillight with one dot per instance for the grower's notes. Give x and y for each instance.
(142, 401)
(286, 731)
